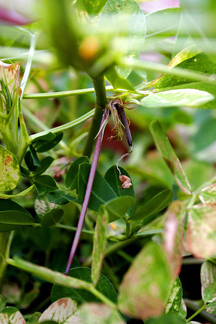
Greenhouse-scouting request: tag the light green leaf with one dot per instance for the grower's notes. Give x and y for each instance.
(92, 313)
(63, 311)
(179, 97)
(168, 154)
(201, 231)
(23, 193)
(173, 304)
(208, 194)
(11, 315)
(99, 244)
(208, 282)
(144, 290)
(9, 170)
(118, 207)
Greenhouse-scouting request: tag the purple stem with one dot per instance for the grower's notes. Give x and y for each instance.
(87, 195)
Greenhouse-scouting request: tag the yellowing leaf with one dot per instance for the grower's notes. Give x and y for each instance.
(9, 170)
(10, 75)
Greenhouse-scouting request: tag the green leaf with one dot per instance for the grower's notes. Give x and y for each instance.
(208, 194)
(112, 177)
(48, 213)
(12, 216)
(92, 7)
(178, 97)
(144, 290)
(61, 197)
(154, 205)
(118, 207)
(11, 315)
(31, 159)
(116, 80)
(101, 191)
(23, 193)
(46, 142)
(168, 154)
(173, 235)
(62, 311)
(201, 231)
(52, 217)
(2, 302)
(45, 184)
(84, 274)
(208, 281)
(168, 318)
(72, 173)
(9, 170)
(173, 304)
(95, 313)
(99, 244)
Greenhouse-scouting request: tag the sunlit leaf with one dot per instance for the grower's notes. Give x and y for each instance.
(11, 315)
(201, 231)
(173, 304)
(99, 244)
(92, 313)
(173, 235)
(144, 290)
(63, 311)
(208, 282)
(168, 154)
(9, 170)
(179, 97)
(208, 194)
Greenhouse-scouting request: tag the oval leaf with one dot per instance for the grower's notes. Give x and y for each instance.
(46, 142)
(208, 282)
(63, 311)
(144, 290)
(45, 184)
(11, 315)
(72, 173)
(179, 97)
(118, 207)
(208, 194)
(173, 304)
(112, 177)
(9, 170)
(154, 205)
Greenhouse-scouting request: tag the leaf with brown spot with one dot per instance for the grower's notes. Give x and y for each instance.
(62, 311)
(145, 287)
(11, 315)
(173, 235)
(168, 154)
(10, 74)
(94, 313)
(9, 170)
(201, 231)
(99, 245)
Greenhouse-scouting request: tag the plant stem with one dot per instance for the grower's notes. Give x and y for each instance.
(101, 100)
(196, 313)
(72, 228)
(193, 306)
(87, 197)
(5, 243)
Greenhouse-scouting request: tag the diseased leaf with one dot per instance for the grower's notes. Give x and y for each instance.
(11, 315)
(63, 311)
(173, 304)
(178, 97)
(168, 154)
(208, 282)
(10, 73)
(173, 235)
(201, 231)
(9, 170)
(95, 313)
(101, 191)
(154, 205)
(99, 244)
(208, 194)
(144, 290)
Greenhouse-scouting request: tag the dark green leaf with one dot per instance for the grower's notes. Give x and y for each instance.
(61, 197)
(112, 177)
(118, 207)
(52, 217)
(9, 170)
(154, 205)
(46, 142)
(45, 184)
(103, 285)
(72, 173)
(13, 216)
(31, 159)
(144, 290)
(168, 154)
(101, 191)
(99, 244)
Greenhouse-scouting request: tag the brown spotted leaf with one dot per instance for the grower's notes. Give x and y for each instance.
(62, 311)
(173, 235)
(11, 315)
(9, 170)
(99, 245)
(145, 287)
(201, 231)
(10, 75)
(94, 313)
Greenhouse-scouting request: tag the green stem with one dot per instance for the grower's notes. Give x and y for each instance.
(5, 243)
(74, 229)
(101, 100)
(196, 313)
